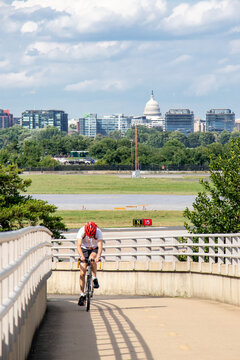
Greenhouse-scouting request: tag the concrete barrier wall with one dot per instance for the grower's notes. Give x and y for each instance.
(215, 282)
(23, 340)
(25, 266)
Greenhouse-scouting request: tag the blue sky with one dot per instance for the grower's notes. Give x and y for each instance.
(106, 56)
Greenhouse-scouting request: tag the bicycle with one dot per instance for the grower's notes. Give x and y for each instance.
(89, 289)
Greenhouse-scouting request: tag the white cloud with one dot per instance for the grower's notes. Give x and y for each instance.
(4, 63)
(94, 51)
(182, 59)
(18, 80)
(235, 30)
(204, 85)
(202, 13)
(221, 78)
(90, 16)
(29, 27)
(229, 69)
(97, 84)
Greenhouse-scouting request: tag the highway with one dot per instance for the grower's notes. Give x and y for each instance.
(143, 328)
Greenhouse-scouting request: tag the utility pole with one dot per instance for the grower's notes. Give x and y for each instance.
(136, 149)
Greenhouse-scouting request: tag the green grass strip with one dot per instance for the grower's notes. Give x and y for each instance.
(120, 218)
(109, 184)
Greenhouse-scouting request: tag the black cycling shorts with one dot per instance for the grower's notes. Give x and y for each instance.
(87, 252)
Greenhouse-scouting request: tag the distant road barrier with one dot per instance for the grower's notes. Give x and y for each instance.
(202, 265)
(25, 265)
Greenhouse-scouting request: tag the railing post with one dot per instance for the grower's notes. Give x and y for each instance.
(211, 251)
(162, 251)
(175, 250)
(235, 250)
(201, 247)
(190, 250)
(228, 250)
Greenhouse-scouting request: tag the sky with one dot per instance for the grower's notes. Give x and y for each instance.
(106, 56)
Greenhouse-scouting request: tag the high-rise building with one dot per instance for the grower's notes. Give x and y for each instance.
(220, 119)
(109, 123)
(90, 125)
(39, 119)
(87, 125)
(6, 119)
(181, 120)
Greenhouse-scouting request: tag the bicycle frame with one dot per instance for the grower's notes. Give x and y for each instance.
(89, 289)
(88, 282)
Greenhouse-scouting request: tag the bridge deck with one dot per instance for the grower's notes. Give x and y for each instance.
(144, 328)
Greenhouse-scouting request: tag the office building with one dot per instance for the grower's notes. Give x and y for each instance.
(6, 119)
(237, 124)
(119, 122)
(39, 119)
(90, 125)
(87, 125)
(181, 120)
(141, 120)
(219, 120)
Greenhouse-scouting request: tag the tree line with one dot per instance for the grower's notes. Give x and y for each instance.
(37, 148)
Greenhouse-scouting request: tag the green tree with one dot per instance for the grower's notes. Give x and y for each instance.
(216, 209)
(194, 140)
(224, 137)
(18, 211)
(158, 139)
(99, 149)
(176, 135)
(207, 138)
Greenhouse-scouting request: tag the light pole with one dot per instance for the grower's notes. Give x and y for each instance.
(136, 149)
(131, 141)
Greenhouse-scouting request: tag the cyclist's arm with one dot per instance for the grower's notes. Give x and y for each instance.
(79, 249)
(100, 247)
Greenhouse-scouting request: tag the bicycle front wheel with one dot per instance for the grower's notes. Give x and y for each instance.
(88, 299)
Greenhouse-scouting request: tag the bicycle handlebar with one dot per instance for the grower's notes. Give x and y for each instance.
(88, 261)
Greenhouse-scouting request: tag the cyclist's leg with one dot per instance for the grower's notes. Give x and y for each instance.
(93, 264)
(83, 268)
(94, 268)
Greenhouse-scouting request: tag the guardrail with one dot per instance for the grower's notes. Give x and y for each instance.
(25, 264)
(211, 248)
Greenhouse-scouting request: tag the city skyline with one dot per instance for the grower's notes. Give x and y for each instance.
(106, 56)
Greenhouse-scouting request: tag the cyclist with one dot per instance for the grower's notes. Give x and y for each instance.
(89, 246)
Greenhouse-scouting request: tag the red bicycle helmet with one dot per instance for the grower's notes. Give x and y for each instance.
(90, 229)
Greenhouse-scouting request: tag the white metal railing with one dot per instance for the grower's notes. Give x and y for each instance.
(212, 248)
(25, 262)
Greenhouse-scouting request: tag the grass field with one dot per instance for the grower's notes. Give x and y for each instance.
(107, 218)
(109, 184)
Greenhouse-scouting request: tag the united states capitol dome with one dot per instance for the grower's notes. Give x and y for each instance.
(152, 108)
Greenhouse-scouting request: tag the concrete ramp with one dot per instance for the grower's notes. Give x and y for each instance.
(144, 328)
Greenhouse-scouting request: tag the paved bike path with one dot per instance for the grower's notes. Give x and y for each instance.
(144, 328)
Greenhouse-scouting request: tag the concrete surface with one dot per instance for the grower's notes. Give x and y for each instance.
(144, 328)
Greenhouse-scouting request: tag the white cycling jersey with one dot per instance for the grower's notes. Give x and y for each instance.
(89, 242)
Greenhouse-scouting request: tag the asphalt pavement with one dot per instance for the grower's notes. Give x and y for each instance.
(117, 201)
(144, 328)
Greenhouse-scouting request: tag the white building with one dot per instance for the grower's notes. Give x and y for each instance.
(153, 114)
